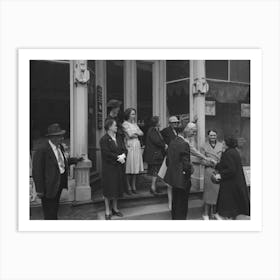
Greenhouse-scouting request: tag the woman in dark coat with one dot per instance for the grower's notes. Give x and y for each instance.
(113, 154)
(233, 197)
(154, 152)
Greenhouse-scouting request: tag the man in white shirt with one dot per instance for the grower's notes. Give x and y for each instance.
(50, 171)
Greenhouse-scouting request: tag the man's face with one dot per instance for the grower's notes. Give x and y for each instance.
(173, 124)
(57, 139)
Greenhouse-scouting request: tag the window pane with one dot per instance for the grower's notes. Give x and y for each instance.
(177, 69)
(217, 69)
(144, 95)
(49, 99)
(178, 98)
(240, 71)
(115, 87)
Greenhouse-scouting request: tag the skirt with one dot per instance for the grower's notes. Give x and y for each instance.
(134, 160)
(211, 190)
(153, 169)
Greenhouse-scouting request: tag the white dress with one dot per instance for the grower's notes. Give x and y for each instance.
(134, 160)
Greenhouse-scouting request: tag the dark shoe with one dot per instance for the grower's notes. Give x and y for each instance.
(155, 193)
(134, 191)
(128, 192)
(108, 217)
(117, 213)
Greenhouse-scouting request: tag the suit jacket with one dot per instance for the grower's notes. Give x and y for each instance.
(168, 134)
(178, 163)
(155, 147)
(45, 171)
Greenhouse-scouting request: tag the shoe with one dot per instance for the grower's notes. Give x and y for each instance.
(155, 193)
(205, 217)
(108, 217)
(134, 191)
(217, 216)
(117, 213)
(128, 192)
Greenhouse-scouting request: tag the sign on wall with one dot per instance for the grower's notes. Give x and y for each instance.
(210, 108)
(99, 107)
(245, 110)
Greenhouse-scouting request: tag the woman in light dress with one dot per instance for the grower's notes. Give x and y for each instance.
(134, 161)
(213, 150)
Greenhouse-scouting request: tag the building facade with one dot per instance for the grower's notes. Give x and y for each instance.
(213, 93)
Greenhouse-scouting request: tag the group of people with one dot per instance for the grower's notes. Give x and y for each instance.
(168, 155)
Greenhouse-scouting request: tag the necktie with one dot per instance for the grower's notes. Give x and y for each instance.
(60, 159)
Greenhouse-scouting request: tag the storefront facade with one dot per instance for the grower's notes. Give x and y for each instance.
(215, 94)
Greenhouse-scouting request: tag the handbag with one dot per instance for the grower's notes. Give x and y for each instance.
(214, 179)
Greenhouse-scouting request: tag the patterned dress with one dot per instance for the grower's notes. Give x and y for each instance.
(134, 160)
(211, 190)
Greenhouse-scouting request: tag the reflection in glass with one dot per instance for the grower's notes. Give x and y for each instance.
(177, 69)
(217, 69)
(240, 71)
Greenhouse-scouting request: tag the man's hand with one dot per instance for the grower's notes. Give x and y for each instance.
(40, 195)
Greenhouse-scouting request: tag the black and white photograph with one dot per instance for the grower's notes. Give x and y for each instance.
(123, 139)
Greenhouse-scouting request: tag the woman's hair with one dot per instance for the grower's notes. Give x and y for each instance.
(127, 113)
(211, 130)
(154, 121)
(108, 124)
(231, 142)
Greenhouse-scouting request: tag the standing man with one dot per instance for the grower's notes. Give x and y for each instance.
(178, 174)
(169, 133)
(50, 171)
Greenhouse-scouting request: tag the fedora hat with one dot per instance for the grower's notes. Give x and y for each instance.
(114, 103)
(55, 130)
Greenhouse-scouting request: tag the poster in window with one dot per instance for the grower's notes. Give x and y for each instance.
(245, 110)
(210, 108)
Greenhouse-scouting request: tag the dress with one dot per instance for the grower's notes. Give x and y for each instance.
(134, 160)
(211, 190)
(113, 180)
(233, 198)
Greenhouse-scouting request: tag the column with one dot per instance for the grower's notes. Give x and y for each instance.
(80, 130)
(159, 91)
(198, 90)
(130, 84)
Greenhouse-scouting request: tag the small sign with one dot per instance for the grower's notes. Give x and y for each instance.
(99, 99)
(247, 173)
(245, 110)
(210, 108)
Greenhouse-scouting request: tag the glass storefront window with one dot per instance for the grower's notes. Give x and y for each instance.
(177, 69)
(49, 99)
(240, 71)
(144, 95)
(217, 69)
(178, 102)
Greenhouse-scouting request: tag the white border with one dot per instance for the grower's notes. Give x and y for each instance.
(24, 55)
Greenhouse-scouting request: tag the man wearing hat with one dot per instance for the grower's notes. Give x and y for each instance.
(169, 132)
(50, 171)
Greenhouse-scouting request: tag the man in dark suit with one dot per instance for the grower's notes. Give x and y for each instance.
(178, 174)
(50, 171)
(169, 133)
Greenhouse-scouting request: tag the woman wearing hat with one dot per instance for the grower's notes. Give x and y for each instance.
(233, 198)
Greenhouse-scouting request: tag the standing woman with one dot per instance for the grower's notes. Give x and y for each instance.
(134, 161)
(113, 153)
(212, 149)
(154, 152)
(233, 198)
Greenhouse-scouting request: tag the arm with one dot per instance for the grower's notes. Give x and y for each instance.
(156, 140)
(226, 167)
(185, 155)
(106, 152)
(38, 171)
(195, 152)
(128, 131)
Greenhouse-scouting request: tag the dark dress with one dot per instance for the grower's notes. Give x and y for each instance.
(154, 152)
(178, 176)
(233, 198)
(113, 181)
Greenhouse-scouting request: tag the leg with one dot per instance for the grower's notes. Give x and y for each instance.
(49, 208)
(205, 214)
(107, 206)
(182, 204)
(169, 194)
(128, 183)
(153, 186)
(133, 182)
(115, 205)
